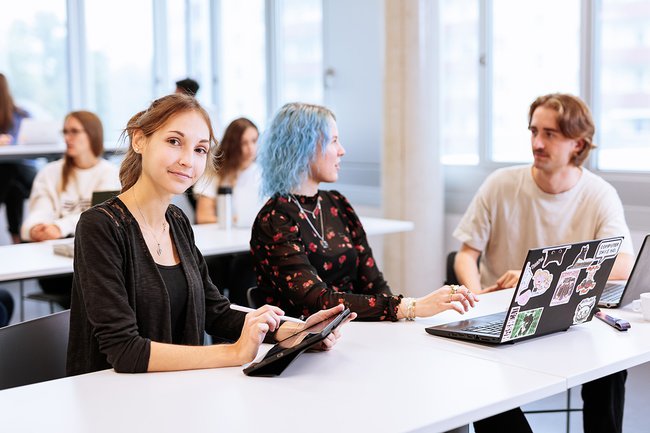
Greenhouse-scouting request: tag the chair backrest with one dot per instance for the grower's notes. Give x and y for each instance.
(450, 277)
(256, 298)
(34, 351)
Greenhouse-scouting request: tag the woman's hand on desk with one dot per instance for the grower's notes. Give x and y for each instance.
(458, 298)
(45, 232)
(505, 281)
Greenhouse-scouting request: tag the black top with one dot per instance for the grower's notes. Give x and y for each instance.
(303, 275)
(176, 286)
(119, 301)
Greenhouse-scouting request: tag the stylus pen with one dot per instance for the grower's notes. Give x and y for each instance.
(620, 324)
(248, 310)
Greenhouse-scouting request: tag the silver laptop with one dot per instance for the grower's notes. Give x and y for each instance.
(559, 287)
(37, 131)
(619, 294)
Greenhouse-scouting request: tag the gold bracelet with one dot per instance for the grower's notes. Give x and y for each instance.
(410, 309)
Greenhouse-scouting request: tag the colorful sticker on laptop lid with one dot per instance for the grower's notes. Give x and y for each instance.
(542, 280)
(607, 249)
(523, 295)
(589, 282)
(583, 310)
(565, 286)
(555, 255)
(526, 323)
(510, 323)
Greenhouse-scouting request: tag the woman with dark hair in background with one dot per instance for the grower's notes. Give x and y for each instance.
(64, 188)
(239, 172)
(16, 177)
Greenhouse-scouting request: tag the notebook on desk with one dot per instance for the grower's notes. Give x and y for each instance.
(35, 131)
(618, 294)
(559, 287)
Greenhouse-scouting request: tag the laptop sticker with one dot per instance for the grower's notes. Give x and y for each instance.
(581, 261)
(524, 294)
(607, 249)
(555, 255)
(510, 324)
(526, 323)
(583, 310)
(542, 280)
(588, 283)
(565, 286)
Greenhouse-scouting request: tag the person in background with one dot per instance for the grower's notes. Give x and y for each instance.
(187, 86)
(16, 177)
(142, 297)
(6, 307)
(238, 170)
(553, 201)
(63, 189)
(310, 249)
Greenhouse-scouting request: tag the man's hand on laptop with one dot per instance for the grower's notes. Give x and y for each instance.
(505, 281)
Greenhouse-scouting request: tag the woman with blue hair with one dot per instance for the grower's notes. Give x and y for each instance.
(309, 246)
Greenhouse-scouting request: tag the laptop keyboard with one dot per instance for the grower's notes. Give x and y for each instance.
(490, 328)
(612, 292)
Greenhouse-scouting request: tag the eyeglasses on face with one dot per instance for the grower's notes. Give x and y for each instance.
(72, 131)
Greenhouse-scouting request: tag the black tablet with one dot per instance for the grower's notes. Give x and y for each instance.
(284, 352)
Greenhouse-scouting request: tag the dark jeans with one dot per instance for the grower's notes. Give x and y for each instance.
(603, 404)
(16, 180)
(6, 307)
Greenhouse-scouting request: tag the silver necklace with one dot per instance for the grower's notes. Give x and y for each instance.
(323, 242)
(164, 225)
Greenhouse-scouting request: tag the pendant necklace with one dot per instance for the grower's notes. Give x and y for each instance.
(323, 242)
(164, 225)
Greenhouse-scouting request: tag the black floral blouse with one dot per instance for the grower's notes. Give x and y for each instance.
(303, 275)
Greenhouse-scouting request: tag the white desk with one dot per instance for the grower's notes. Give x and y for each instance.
(51, 150)
(391, 377)
(36, 259)
(382, 377)
(594, 349)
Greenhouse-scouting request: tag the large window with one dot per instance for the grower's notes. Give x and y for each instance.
(623, 87)
(459, 87)
(33, 56)
(299, 54)
(119, 60)
(497, 56)
(536, 50)
(242, 66)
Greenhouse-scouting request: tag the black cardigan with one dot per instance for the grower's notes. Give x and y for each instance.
(119, 301)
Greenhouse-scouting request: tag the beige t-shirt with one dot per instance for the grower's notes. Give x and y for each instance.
(510, 214)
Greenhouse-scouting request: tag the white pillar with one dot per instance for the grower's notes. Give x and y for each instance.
(412, 182)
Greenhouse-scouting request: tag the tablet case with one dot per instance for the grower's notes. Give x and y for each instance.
(278, 358)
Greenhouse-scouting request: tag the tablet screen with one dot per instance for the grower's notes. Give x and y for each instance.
(314, 330)
(285, 351)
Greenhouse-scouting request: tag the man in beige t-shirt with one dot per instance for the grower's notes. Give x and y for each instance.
(554, 201)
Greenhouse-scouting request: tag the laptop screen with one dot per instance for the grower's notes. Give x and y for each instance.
(559, 287)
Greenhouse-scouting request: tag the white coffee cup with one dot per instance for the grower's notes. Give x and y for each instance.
(642, 305)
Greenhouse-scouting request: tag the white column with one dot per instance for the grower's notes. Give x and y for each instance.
(412, 182)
